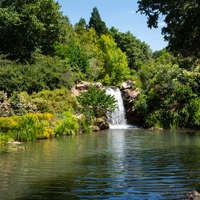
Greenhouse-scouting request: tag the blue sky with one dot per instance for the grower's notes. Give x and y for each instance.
(117, 13)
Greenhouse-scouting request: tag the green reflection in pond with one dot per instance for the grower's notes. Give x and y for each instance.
(111, 164)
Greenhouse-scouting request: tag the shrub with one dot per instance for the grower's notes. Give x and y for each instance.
(166, 96)
(95, 103)
(47, 73)
(56, 101)
(195, 111)
(68, 125)
(82, 123)
(8, 123)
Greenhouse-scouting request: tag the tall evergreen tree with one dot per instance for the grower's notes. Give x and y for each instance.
(97, 23)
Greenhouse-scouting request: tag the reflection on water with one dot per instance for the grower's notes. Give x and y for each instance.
(111, 164)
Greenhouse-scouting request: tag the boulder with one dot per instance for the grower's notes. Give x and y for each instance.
(127, 85)
(94, 128)
(103, 125)
(194, 195)
(102, 122)
(129, 94)
(14, 143)
(83, 86)
(15, 149)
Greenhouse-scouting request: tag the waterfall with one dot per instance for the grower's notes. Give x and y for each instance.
(117, 118)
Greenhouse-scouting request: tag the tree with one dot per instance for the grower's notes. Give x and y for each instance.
(115, 69)
(77, 58)
(136, 51)
(182, 23)
(26, 26)
(97, 23)
(81, 26)
(95, 102)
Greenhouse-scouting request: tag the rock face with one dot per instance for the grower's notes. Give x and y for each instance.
(103, 125)
(127, 85)
(94, 128)
(83, 86)
(194, 195)
(129, 95)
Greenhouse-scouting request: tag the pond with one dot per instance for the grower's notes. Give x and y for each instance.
(110, 164)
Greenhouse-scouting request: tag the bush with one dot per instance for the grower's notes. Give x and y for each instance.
(68, 125)
(27, 127)
(48, 73)
(166, 96)
(56, 101)
(95, 103)
(8, 123)
(195, 111)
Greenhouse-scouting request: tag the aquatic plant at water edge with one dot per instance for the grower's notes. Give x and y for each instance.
(67, 125)
(33, 126)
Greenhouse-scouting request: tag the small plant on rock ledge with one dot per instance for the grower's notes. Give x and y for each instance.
(96, 103)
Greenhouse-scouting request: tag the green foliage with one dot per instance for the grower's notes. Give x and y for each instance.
(27, 127)
(163, 57)
(68, 125)
(46, 73)
(33, 126)
(95, 103)
(97, 23)
(83, 123)
(56, 101)
(195, 111)
(182, 23)
(186, 63)
(166, 95)
(80, 27)
(76, 58)
(87, 41)
(27, 26)
(8, 123)
(136, 51)
(115, 69)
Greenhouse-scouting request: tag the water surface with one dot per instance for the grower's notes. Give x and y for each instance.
(110, 164)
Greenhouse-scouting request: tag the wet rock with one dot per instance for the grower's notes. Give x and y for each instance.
(14, 143)
(94, 128)
(15, 149)
(129, 95)
(153, 128)
(103, 125)
(194, 195)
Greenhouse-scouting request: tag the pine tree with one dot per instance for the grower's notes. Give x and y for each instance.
(97, 23)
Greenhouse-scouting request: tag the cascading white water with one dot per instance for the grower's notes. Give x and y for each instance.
(117, 118)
